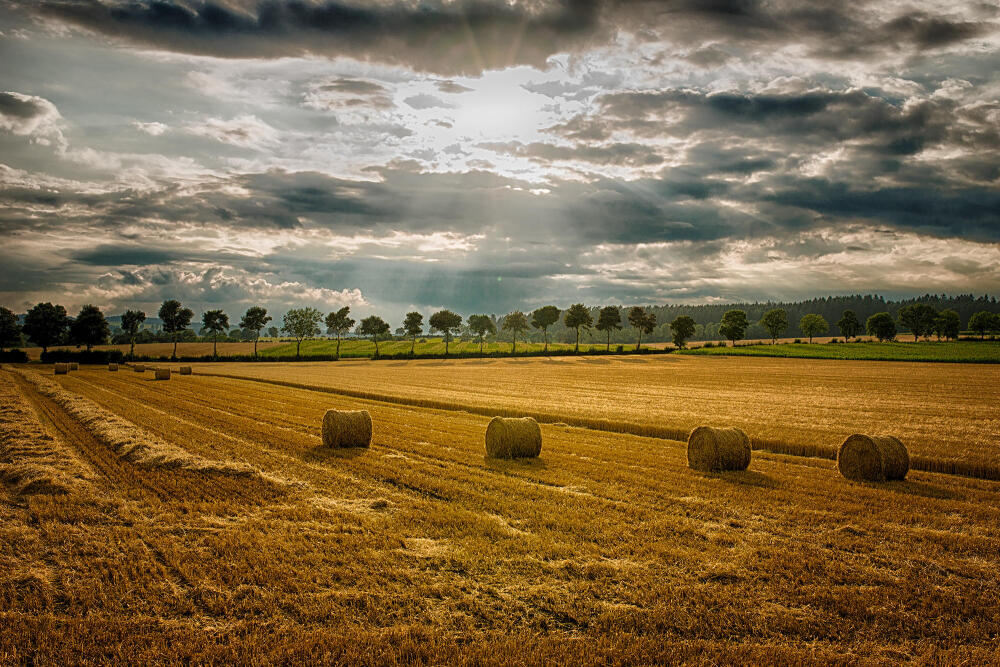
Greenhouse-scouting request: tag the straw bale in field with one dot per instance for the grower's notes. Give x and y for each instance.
(162, 373)
(139, 368)
(876, 458)
(513, 437)
(112, 367)
(74, 366)
(716, 449)
(62, 369)
(347, 428)
(185, 370)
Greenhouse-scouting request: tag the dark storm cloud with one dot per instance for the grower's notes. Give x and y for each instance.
(971, 213)
(21, 107)
(471, 35)
(465, 36)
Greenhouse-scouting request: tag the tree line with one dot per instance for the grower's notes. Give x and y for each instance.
(46, 324)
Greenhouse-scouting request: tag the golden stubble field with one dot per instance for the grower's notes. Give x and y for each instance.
(941, 411)
(210, 524)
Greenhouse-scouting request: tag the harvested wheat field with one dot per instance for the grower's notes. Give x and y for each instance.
(203, 519)
(946, 414)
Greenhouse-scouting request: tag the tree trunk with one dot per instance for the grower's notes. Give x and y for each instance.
(131, 351)
(298, 345)
(215, 346)
(638, 342)
(513, 347)
(446, 343)
(338, 345)
(413, 345)
(175, 347)
(545, 336)
(255, 345)
(577, 349)
(609, 341)
(375, 340)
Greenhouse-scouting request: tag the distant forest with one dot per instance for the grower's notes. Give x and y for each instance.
(707, 316)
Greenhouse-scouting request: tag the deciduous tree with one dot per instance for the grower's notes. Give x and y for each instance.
(374, 326)
(947, 324)
(543, 318)
(849, 325)
(733, 325)
(176, 318)
(776, 323)
(812, 324)
(215, 322)
(45, 325)
(253, 321)
(683, 329)
(446, 322)
(578, 317)
(89, 328)
(482, 326)
(881, 326)
(609, 319)
(516, 323)
(131, 322)
(918, 318)
(339, 323)
(10, 330)
(642, 321)
(413, 326)
(301, 323)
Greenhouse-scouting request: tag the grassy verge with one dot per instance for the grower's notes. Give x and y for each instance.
(983, 352)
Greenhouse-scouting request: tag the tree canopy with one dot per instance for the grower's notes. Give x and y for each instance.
(812, 324)
(446, 322)
(89, 328)
(301, 323)
(881, 326)
(734, 325)
(515, 322)
(10, 330)
(609, 319)
(642, 321)
(776, 323)
(682, 328)
(578, 317)
(374, 326)
(543, 318)
(45, 325)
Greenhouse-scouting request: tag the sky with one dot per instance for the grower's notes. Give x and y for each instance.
(487, 155)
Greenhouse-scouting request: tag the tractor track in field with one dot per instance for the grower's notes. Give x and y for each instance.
(146, 483)
(429, 460)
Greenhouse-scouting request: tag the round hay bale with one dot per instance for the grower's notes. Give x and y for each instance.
(139, 369)
(112, 367)
(74, 366)
(162, 373)
(873, 458)
(347, 428)
(513, 438)
(717, 449)
(62, 369)
(185, 370)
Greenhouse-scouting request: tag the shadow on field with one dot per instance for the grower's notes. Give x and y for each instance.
(594, 360)
(922, 489)
(514, 465)
(745, 478)
(324, 453)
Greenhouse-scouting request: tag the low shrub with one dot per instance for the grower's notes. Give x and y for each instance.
(14, 357)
